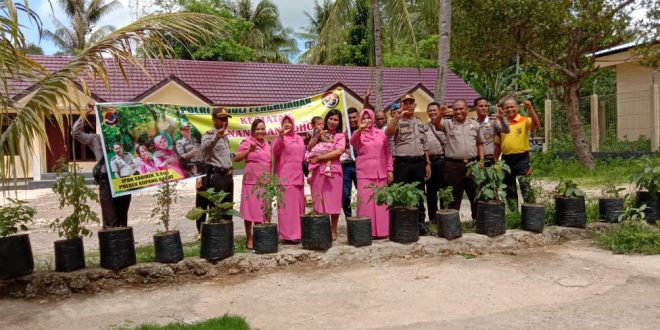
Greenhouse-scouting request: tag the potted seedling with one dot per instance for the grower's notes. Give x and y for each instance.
(15, 250)
(570, 210)
(402, 200)
(358, 228)
(72, 191)
(646, 178)
(447, 220)
(217, 233)
(610, 203)
(491, 194)
(270, 191)
(532, 214)
(316, 230)
(167, 244)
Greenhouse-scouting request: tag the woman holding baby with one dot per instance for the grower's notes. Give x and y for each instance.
(326, 185)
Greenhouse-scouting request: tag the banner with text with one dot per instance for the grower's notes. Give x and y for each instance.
(144, 142)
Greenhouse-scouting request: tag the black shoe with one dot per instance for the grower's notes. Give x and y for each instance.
(291, 242)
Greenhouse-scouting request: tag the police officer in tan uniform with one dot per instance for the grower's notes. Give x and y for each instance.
(489, 127)
(215, 145)
(464, 145)
(435, 141)
(411, 162)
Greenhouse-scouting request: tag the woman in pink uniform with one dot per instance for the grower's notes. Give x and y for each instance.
(327, 190)
(289, 151)
(256, 152)
(373, 166)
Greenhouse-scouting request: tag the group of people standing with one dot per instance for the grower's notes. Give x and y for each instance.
(371, 152)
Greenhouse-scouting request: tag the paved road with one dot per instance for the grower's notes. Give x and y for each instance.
(576, 286)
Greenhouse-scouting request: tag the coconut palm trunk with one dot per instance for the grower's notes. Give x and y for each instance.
(444, 29)
(378, 52)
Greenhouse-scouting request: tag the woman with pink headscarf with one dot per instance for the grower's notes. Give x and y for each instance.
(164, 158)
(289, 151)
(373, 166)
(327, 190)
(257, 153)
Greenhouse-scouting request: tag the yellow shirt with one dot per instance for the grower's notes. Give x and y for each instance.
(517, 140)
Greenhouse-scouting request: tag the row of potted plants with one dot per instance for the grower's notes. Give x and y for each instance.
(117, 244)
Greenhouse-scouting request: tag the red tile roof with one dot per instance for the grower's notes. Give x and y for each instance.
(233, 83)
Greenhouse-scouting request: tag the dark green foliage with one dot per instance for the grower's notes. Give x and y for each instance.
(72, 191)
(227, 322)
(633, 214)
(445, 197)
(567, 189)
(612, 191)
(398, 194)
(632, 234)
(613, 170)
(512, 220)
(15, 218)
(139, 116)
(166, 195)
(647, 174)
(268, 189)
(216, 210)
(591, 208)
(489, 180)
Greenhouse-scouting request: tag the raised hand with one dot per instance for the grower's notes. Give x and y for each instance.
(528, 104)
(220, 133)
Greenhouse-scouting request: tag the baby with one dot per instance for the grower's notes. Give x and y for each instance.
(323, 146)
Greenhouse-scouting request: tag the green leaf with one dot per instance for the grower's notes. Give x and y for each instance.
(195, 213)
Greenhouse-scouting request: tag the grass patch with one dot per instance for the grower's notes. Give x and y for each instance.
(614, 170)
(227, 322)
(467, 255)
(468, 227)
(512, 220)
(591, 208)
(631, 237)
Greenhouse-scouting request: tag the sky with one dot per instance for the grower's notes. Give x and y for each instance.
(291, 14)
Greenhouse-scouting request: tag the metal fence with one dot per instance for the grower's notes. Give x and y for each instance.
(623, 123)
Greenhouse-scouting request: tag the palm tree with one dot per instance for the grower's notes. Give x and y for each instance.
(272, 42)
(398, 17)
(316, 52)
(83, 15)
(23, 122)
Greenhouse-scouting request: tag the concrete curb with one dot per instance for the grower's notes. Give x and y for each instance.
(94, 280)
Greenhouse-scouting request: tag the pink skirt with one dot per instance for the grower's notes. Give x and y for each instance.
(251, 206)
(380, 215)
(288, 217)
(326, 191)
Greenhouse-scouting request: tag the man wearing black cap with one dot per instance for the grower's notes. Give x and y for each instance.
(411, 161)
(215, 145)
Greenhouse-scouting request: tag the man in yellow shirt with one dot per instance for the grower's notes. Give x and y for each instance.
(515, 145)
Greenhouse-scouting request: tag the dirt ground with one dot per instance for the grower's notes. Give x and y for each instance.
(575, 286)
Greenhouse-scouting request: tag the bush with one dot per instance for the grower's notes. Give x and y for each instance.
(631, 237)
